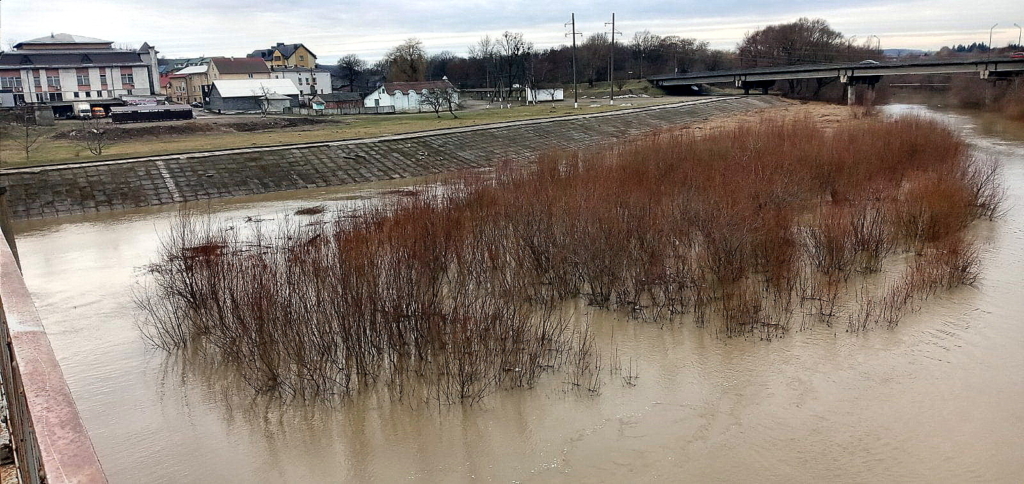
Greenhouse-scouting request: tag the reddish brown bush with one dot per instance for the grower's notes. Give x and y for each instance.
(737, 228)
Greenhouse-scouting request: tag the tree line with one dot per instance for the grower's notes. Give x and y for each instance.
(509, 60)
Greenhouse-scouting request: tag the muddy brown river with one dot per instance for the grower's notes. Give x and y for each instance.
(938, 399)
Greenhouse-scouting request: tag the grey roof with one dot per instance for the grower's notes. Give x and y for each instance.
(341, 96)
(28, 58)
(63, 39)
(297, 69)
(262, 54)
(239, 65)
(285, 49)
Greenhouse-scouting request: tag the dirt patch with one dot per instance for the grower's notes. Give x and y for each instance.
(168, 130)
(261, 124)
(825, 115)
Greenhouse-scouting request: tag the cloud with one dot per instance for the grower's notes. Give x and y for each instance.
(237, 27)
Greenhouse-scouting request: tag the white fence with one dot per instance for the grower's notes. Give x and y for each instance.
(339, 111)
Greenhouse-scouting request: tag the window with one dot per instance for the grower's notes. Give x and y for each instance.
(302, 58)
(99, 93)
(53, 81)
(10, 82)
(277, 58)
(40, 97)
(87, 93)
(37, 82)
(250, 76)
(129, 92)
(83, 79)
(19, 99)
(56, 96)
(76, 94)
(127, 78)
(103, 79)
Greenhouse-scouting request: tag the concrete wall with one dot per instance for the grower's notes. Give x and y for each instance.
(116, 185)
(51, 444)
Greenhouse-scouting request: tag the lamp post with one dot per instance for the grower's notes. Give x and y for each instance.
(878, 40)
(1019, 32)
(990, 40)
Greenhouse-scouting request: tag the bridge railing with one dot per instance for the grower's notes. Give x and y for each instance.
(50, 442)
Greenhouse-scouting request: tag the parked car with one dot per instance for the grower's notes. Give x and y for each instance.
(1017, 55)
(98, 112)
(197, 104)
(868, 62)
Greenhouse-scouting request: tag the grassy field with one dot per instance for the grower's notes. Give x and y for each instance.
(50, 150)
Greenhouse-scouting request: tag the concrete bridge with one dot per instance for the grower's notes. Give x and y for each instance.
(852, 74)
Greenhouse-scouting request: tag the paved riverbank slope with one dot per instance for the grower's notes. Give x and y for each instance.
(53, 191)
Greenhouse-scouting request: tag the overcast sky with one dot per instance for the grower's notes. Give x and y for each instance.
(185, 28)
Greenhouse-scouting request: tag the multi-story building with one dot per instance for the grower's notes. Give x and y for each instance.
(286, 55)
(309, 81)
(187, 84)
(61, 69)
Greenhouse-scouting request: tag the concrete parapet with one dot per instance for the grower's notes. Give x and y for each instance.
(51, 444)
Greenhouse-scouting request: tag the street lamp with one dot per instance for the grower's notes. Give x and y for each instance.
(990, 40)
(1019, 32)
(879, 42)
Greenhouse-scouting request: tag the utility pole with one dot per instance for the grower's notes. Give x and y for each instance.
(575, 87)
(990, 41)
(611, 63)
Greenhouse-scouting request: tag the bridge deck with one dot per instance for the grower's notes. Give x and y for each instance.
(845, 71)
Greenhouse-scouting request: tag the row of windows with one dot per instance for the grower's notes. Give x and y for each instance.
(98, 94)
(51, 96)
(54, 81)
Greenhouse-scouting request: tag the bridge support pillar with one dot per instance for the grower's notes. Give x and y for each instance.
(851, 87)
(764, 86)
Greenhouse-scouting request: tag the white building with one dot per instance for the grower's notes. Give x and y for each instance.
(309, 82)
(252, 95)
(61, 69)
(405, 96)
(540, 95)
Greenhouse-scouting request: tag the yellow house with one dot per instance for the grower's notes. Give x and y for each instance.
(286, 55)
(235, 68)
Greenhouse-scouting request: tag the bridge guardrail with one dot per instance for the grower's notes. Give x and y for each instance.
(51, 444)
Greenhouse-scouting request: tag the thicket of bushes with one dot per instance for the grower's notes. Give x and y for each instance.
(745, 231)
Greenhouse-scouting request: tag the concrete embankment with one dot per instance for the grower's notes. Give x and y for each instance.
(57, 190)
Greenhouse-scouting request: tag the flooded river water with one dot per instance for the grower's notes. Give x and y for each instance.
(940, 398)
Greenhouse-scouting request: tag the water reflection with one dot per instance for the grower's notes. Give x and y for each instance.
(937, 399)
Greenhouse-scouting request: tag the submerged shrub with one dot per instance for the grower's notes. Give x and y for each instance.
(456, 290)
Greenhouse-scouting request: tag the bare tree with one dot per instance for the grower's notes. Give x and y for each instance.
(351, 66)
(262, 100)
(486, 51)
(30, 141)
(95, 137)
(31, 136)
(516, 54)
(433, 99)
(644, 46)
(451, 99)
(408, 61)
(441, 98)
